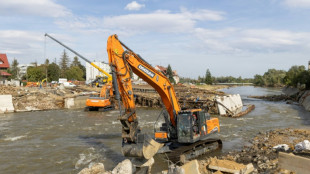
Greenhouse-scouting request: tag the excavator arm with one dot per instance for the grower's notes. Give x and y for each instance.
(125, 60)
(122, 62)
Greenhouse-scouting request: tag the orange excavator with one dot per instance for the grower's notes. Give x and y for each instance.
(184, 132)
(101, 102)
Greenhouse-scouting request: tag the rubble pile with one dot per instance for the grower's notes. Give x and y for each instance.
(188, 97)
(262, 154)
(33, 98)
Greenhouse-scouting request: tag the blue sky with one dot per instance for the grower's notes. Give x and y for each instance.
(231, 38)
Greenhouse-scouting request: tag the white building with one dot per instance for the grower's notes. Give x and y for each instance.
(23, 69)
(92, 72)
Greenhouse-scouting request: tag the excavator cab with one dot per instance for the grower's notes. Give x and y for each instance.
(193, 125)
(188, 124)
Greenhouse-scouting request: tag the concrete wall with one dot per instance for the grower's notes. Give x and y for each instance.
(75, 103)
(290, 91)
(6, 103)
(305, 100)
(231, 102)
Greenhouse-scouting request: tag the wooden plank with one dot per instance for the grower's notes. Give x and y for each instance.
(297, 164)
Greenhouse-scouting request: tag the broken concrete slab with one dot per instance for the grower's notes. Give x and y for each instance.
(6, 104)
(191, 167)
(227, 166)
(69, 103)
(123, 167)
(230, 104)
(97, 168)
(294, 163)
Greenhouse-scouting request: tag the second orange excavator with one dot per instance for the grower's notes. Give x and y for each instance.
(184, 131)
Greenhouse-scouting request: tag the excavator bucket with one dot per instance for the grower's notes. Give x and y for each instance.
(145, 147)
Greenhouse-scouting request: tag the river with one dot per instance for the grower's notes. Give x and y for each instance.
(65, 141)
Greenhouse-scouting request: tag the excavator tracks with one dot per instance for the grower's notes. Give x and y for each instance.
(191, 151)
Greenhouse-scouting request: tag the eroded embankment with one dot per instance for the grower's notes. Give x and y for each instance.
(33, 98)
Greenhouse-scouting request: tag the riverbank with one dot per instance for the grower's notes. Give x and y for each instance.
(36, 99)
(52, 98)
(259, 157)
(261, 152)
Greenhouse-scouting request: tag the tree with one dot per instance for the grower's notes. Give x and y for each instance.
(258, 80)
(47, 62)
(14, 70)
(208, 78)
(271, 78)
(64, 64)
(35, 74)
(74, 73)
(294, 75)
(53, 72)
(77, 63)
(169, 74)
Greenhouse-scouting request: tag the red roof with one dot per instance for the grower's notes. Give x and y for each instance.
(4, 61)
(4, 73)
(164, 70)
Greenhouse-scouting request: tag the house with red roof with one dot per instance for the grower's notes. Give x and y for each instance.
(164, 71)
(4, 66)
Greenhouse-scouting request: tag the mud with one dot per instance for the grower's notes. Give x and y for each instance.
(274, 97)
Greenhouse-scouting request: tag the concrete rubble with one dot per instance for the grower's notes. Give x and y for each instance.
(34, 99)
(191, 167)
(6, 104)
(261, 153)
(228, 166)
(124, 167)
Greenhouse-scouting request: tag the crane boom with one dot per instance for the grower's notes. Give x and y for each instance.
(82, 57)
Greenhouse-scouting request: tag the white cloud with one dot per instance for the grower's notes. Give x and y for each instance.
(134, 6)
(159, 21)
(297, 3)
(235, 40)
(17, 43)
(33, 7)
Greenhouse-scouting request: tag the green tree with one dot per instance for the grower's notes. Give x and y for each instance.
(74, 73)
(271, 78)
(77, 63)
(258, 80)
(35, 74)
(64, 64)
(53, 72)
(294, 75)
(47, 62)
(14, 70)
(208, 77)
(169, 74)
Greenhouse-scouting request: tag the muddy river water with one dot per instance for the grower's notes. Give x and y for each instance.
(65, 141)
